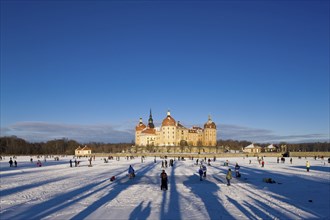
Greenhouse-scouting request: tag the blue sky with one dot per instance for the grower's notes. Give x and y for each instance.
(89, 69)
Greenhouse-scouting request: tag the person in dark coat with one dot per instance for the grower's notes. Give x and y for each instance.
(204, 170)
(131, 172)
(200, 171)
(237, 167)
(163, 177)
(10, 162)
(228, 177)
(70, 163)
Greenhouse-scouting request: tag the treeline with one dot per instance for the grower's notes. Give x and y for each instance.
(17, 146)
(308, 147)
(232, 144)
(305, 147)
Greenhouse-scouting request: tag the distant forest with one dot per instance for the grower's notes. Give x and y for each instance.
(17, 146)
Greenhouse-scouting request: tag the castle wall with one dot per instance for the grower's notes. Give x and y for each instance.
(177, 135)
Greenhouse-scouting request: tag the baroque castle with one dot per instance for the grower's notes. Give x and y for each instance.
(172, 133)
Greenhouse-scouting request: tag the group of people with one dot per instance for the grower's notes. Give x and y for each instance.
(163, 177)
(76, 163)
(164, 163)
(39, 164)
(12, 163)
(229, 174)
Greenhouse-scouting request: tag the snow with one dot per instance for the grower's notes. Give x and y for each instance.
(58, 191)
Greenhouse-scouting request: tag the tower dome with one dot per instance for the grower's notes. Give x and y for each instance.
(210, 124)
(140, 126)
(168, 121)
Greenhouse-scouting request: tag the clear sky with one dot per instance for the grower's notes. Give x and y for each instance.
(88, 70)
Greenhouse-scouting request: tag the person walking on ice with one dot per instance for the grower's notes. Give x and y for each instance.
(228, 177)
(200, 171)
(163, 177)
(307, 165)
(204, 170)
(10, 162)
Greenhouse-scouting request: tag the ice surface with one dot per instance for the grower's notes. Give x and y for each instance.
(58, 191)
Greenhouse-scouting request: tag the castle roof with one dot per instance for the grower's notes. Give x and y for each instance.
(180, 125)
(210, 124)
(168, 121)
(149, 131)
(140, 126)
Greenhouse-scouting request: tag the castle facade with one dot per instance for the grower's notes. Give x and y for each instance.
(172, 133)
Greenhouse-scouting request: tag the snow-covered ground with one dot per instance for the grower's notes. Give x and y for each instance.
(57, 191)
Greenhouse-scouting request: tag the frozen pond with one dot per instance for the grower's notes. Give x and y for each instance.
(58, 191)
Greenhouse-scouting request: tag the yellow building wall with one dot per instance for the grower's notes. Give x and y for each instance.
(172, 136)
(210, 137)
(168, 134)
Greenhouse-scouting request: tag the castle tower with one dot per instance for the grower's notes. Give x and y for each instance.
(151, 121)
(138, 129)
(210, 133)
(168, 131)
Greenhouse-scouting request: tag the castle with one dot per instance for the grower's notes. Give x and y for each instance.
(172, 133)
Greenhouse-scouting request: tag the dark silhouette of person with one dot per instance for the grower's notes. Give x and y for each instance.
(163, 177)
(10, 162)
